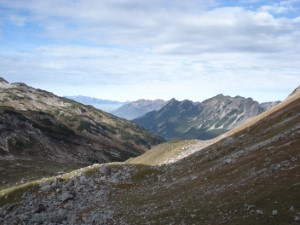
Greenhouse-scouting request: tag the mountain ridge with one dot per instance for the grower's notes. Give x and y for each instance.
(201, 120)
(138, 108)
(249, 176)
(38, 126)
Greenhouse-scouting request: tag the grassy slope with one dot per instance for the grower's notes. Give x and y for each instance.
(161, 153)
(239, 180)
(203, 189)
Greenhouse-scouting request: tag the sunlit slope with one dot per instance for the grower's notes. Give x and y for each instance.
(250, 176)
(171, 152)
(175, 150)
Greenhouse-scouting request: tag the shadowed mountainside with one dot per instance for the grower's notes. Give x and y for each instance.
(204, 120)
(46, 133)
(248, 176)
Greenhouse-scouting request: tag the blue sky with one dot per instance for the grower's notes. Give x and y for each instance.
(132, 49)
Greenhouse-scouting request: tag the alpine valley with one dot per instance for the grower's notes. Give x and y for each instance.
(248, 175)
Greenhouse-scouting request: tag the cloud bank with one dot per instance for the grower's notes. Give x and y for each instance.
(159, 49)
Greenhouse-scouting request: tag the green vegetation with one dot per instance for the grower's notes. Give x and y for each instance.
(16, 97)
(162, 152)
(145, 173)
(14, 194)
(85, 125)
(44, 93)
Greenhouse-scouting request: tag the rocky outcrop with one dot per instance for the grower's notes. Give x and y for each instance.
(69, 201)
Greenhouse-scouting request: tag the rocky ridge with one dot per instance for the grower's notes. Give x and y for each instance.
(204, 120)
(44, 133)
(249, 176)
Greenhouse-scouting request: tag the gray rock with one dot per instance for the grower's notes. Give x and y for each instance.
(46, 187)
(66, 196)
(260, 212)
(70, 183)
(274, 212)
(275, 168)
(2, 212)
(54, 217)
(59, 216)
(40, 208)
(249, 207)
(105, 170)
(24, 217)
(72, 219)
(37, 218)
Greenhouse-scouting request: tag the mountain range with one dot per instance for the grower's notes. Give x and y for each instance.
(42, 134)
(138, 108)
(105, 105)
(249, 175)
(201, 120)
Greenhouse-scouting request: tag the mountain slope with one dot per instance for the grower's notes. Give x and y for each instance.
(105, 105)
(37, 126)
(138, 108)
(249, 176)
(205, 120)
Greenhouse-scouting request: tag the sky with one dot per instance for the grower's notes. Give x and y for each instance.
(133, 49)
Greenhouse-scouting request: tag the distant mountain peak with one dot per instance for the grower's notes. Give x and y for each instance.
(186, 103)
(203, 120)
(138, 108)
(172, 102)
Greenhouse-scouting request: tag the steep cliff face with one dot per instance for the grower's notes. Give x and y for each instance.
(204, 120)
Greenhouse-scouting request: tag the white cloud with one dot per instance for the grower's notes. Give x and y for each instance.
(159, 24)
(184, 49)
(282, 7)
